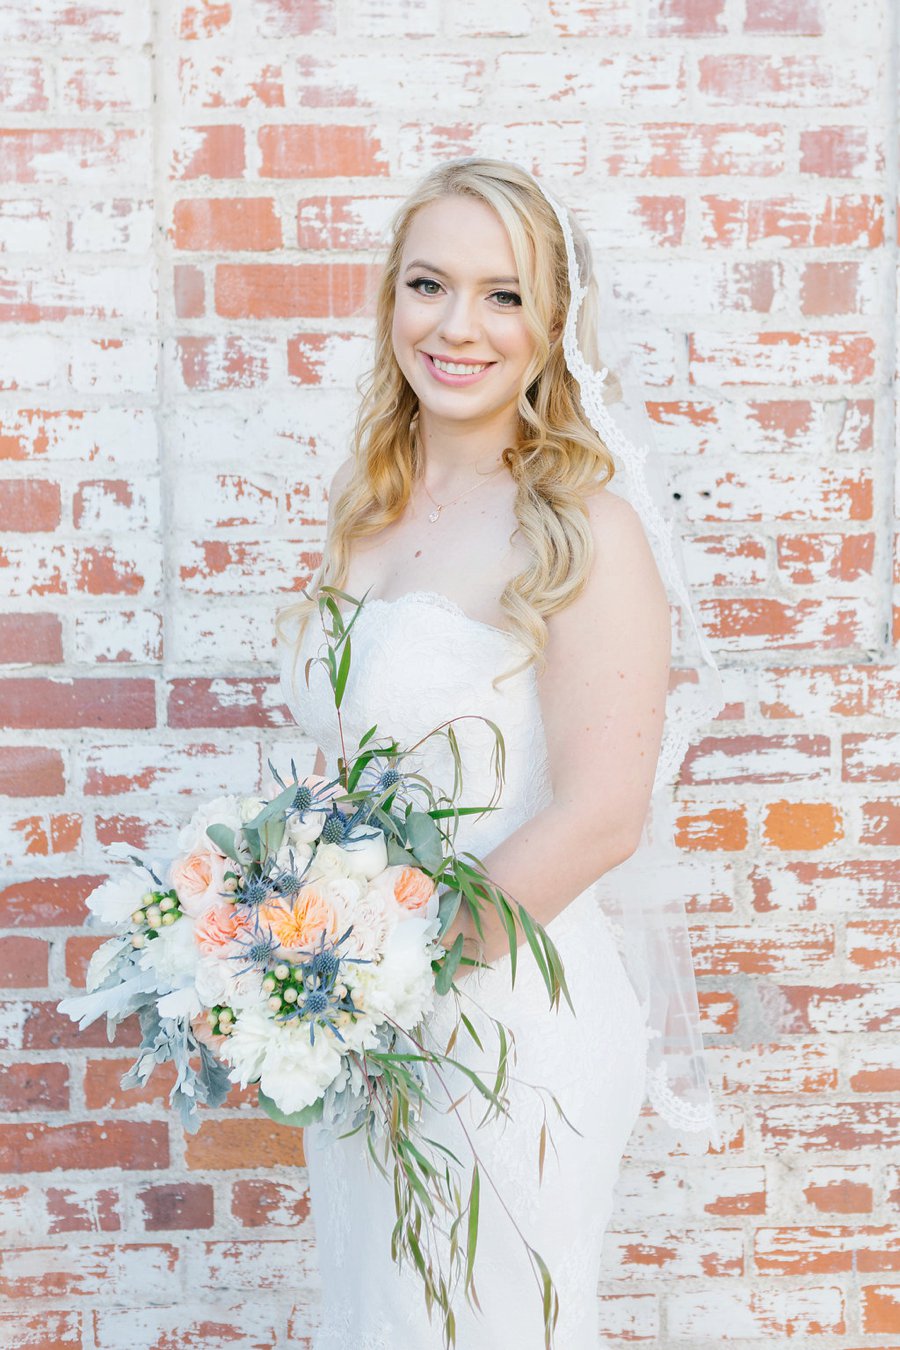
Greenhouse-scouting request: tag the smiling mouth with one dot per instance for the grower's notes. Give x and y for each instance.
(457, 367)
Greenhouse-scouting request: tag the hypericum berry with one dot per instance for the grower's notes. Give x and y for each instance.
(168, 919)
(137, 939)
(154, 914)
(275, 1003)
(282, 971)
(166, 904)
(138, 916)
(297, 973)
(268, 983)
(290, 994)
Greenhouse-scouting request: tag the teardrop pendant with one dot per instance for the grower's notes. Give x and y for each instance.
(434, 514)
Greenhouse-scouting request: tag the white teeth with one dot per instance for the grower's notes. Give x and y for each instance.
(457, 368)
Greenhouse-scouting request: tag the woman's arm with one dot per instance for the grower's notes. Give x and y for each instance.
(603, 699)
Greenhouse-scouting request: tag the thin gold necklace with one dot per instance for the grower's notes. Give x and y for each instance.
(439, 506)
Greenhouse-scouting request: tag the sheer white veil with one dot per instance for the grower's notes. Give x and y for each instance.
(644, 896)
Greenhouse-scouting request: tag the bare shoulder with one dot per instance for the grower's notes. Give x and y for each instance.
(623, 583)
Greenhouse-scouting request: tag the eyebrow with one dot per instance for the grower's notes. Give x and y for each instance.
(485, 281)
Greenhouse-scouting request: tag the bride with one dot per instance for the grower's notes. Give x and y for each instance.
(501, 578)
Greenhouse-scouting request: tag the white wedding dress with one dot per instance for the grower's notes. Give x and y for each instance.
(416, 661)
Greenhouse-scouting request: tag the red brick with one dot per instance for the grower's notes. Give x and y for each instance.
(176, 1205)
(210, 152)
(31, 771)
(686, 18)
(44, 1027)
(292, 290)
(44, 1330)
(79, 951)
(851, 220)
(220, 1145)
(287, 19)
(41, 901)
(801, 825)
(33, 1087)
(827, 1249)
(69, 155)
(23, 962)
(831, 288)
(257, 1202)
(801, 18)
(318, 151)
(83, 1209)
(127, 1144)
(710, 828)
(880, 1307)
(880, 825)
(229, 224)
(29, 703)
(30, 639)
(840, 152)
(227, 362)
(29, 505)
(816, 559)
(840, 1190)
(221, 703)
(204, 18)
(98, 1270)
(189, 289)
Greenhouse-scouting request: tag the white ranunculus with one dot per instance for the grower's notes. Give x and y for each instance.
(172, 956)
(222, 811)
(295, 1073)
(401, 985)
(244, 1048)
(367, 852)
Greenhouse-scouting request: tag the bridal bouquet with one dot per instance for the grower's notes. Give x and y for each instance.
(304, 926)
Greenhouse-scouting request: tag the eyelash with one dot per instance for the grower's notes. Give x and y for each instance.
(414, 285)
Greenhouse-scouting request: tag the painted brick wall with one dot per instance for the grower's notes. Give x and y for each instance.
(191, 199)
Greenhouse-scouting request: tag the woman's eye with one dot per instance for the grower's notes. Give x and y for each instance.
(429, 281)
(517, 299)
(422, 281)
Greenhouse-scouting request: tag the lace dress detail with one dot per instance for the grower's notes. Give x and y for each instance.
(418, 660)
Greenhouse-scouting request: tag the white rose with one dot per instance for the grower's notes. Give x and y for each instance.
(250, 807)
(367, 852)
(401, 985)
(222, 811)
(330, 861)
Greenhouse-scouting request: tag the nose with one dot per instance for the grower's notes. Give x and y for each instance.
(458, 320)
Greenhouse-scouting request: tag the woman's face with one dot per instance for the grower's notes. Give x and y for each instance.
(458, 300)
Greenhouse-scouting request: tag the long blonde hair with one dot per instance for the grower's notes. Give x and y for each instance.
(558, 460)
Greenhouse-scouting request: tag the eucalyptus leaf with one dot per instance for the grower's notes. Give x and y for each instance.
(223, 838)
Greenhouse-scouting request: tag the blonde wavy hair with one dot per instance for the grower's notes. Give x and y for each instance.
(558, 460)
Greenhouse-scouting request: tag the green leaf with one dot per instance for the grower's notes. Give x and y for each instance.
(473, 1222)
(223, 838)
(449, 965)
(308, 1116)
(343, 672)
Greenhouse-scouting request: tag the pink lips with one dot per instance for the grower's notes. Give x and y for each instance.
(444, 378)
